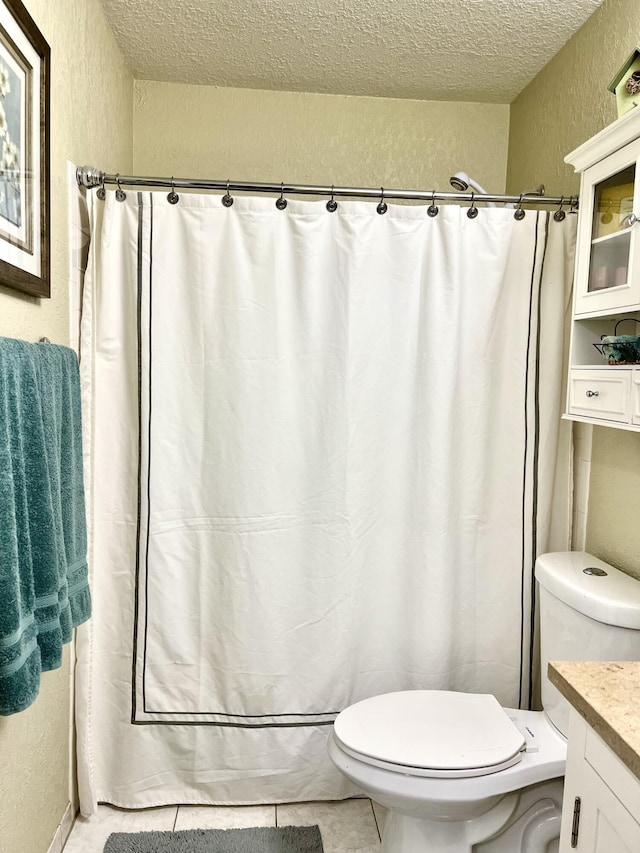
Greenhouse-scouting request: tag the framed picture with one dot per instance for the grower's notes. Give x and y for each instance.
(24, 152)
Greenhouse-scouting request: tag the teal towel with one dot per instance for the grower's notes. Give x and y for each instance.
(44, 589)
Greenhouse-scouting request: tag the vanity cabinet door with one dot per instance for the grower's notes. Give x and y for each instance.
(608, 793)
(604, 826)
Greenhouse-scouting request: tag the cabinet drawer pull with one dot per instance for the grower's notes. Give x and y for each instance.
(592, 393)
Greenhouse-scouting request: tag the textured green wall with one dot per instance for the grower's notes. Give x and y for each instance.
(562, 107)
(305, 138)
(91, 109)
(568, 101)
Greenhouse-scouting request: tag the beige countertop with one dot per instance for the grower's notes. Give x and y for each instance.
(607, 695)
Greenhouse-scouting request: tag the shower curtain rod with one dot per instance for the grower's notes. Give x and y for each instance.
(90, 178)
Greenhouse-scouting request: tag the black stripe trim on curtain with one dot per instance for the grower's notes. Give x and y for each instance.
(536, 467)
(527, 648)
(148, 496)
(135, 717)
(525, 468)
(136, 603)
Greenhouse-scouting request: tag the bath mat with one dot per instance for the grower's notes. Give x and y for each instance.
(260, 839)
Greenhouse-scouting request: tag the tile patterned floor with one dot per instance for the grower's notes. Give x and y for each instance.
(348, 826)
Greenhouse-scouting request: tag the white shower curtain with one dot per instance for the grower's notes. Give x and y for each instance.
(322, 452)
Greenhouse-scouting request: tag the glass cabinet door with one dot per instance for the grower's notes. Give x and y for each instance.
(611, 230)
(608, 251)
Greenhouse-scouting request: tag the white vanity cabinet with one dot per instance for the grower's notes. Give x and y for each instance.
(607, 275)
(601, 802)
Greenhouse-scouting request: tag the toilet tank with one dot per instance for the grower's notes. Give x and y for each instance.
(589, 610)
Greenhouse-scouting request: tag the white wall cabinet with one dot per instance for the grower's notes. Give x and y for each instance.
(608, 793)
(607, 275)
(602, 394)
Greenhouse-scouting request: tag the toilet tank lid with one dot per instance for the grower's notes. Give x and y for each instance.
(613, 598)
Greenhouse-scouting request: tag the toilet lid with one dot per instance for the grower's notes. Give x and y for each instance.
(431, 730)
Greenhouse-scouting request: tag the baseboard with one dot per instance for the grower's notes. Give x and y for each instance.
(63, 831)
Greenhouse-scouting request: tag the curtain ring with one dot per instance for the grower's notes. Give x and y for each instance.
(101, 192)
(120, 193)
(227, 199)
(519, 214)
(473, 210)
(559, 214)
(432, 210)
(382, 207)
(173, 197)
(332, 204)
(281, 203)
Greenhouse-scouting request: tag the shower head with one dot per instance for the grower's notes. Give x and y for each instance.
(462, 182)
(459, 181)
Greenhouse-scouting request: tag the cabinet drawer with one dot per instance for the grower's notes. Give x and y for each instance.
(603, 394)
(635, 398)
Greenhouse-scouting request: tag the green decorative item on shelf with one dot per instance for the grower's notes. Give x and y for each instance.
(620, 349)
(626, 84)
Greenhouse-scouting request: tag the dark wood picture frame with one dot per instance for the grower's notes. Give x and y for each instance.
(25, 240)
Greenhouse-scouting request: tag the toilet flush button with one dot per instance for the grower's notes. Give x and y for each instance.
(595, 571)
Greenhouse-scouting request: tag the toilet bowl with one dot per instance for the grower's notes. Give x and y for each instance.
(451, 768)
(460, 773)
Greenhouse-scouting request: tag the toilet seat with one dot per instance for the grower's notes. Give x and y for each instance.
(432, 733)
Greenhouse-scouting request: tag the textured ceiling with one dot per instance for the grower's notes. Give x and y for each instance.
(469, 50)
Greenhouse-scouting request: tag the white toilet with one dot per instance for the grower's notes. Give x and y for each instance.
(459, 772)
